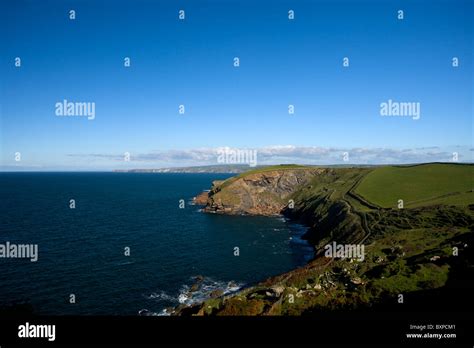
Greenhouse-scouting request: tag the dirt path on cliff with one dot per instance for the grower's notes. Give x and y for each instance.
(353, 210)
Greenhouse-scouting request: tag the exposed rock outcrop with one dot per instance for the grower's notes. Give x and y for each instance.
(201, 199)
(260, 193)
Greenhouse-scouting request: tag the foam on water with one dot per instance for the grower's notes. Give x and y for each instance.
(160, 296)
(204, 289)
(195, 291)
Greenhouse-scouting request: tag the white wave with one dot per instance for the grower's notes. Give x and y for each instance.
(125, 263)
(204, 290)
(160, 296)
(147, 313)
(183, 298)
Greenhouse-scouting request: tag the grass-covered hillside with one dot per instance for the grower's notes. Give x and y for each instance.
(419, 185)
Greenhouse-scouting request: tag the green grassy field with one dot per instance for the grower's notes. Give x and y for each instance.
(419, 185)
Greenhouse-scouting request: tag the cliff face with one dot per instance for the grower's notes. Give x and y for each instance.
(260, 193)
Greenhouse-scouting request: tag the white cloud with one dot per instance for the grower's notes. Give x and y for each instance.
(291, 154)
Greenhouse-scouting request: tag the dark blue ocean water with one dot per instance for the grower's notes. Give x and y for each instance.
(81, 251)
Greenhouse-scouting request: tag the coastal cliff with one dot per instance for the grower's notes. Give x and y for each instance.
(259, 193)
(304, 194)
(407, 250)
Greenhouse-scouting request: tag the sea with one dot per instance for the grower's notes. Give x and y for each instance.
(131, 243)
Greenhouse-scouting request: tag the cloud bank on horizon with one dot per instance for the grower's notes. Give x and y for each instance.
(281, 154)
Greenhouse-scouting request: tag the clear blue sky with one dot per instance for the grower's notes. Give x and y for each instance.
(190, 62)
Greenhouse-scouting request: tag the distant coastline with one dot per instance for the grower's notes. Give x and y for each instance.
(225, 169)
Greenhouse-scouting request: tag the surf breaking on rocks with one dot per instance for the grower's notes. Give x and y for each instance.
(198, 290)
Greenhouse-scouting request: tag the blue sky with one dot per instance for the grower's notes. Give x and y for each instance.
(190, 62)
